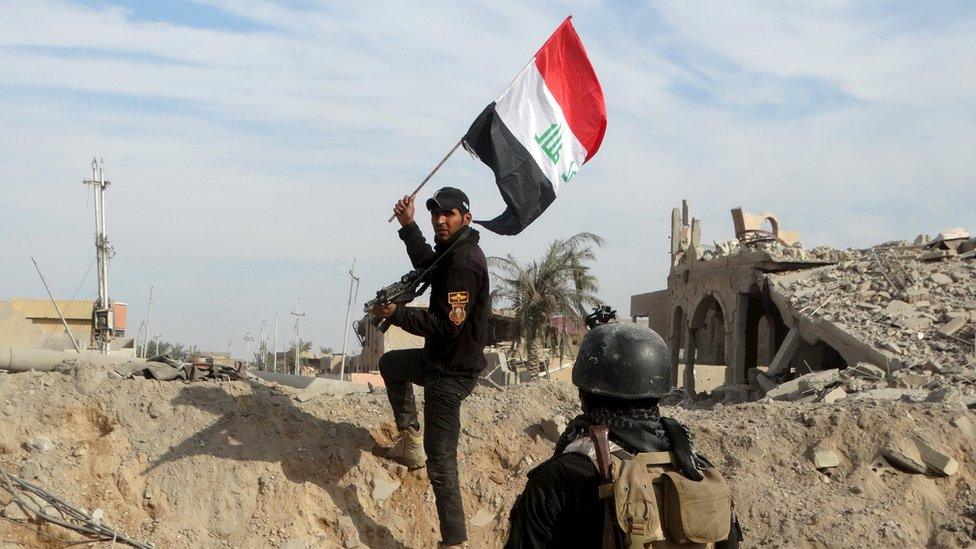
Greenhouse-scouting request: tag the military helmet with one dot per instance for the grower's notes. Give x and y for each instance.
(624, 361)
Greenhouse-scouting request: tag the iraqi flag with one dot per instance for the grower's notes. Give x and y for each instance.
(541, 129)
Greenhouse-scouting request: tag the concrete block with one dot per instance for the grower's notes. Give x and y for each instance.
(965, 426)
(937, 462)
(916, 295)
(905, 455)
(824, 458)
(912, 381)
(796, 389)
(383, 486)
(865, 370)
(896, 308)
(40, 444)
(913, 323)
(880, 466)
(946, 395)
(834, 395)
(936, 255)
(554, 427)
(953, 326)
(907, 395)
(484, 517)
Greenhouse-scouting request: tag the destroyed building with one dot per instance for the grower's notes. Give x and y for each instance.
(764, 309)
(38, 323)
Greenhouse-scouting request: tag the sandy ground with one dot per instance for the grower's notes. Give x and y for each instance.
(244, 464)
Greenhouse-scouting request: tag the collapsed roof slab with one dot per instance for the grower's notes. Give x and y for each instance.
(813, 329)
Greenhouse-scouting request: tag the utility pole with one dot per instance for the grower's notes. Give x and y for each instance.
(247, 348)
(156, 339)
(353, 280)
(263, 350)
(145, 346)
(56, 308)
(274, 357)
(103, 321)
(298, 316)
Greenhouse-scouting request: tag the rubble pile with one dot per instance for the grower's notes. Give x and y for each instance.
(243, 463)
(776, 250)
(916, 307)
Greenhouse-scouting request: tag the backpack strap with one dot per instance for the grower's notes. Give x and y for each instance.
(599, 434)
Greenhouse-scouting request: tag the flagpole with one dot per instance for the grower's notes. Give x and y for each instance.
(458, 144)
(431, 174)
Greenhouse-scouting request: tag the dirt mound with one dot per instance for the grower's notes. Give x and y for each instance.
(245, 464)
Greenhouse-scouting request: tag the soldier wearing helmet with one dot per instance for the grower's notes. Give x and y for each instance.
(619, 466)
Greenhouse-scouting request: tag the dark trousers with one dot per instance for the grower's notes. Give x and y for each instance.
(443, 394)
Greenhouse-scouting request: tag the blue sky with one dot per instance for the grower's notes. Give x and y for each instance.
(256, 147)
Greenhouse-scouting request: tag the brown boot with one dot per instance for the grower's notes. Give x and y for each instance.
(409, 450)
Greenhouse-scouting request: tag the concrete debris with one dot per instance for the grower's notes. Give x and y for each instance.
(965, 426)
(484, 517)
(946, 395)
(806, 385)
(347, 532)
(937, 462)
(383, 486)
(313, 386)
(833, 395)
(904, 454)
(824, 458)
(30, 470)
(957, 233)
(914, 455)
(935, 255)
(40, 444)
(554, 427)
(867, 371)
(881, 467)
(13, 512)
(904, 395)
(904, 327)
(953, 326)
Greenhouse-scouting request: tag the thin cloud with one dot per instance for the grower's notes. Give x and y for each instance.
(253, 158)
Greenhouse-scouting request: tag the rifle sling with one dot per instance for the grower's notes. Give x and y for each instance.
(422, 277)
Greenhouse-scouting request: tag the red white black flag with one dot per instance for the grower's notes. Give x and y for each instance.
(541, 129)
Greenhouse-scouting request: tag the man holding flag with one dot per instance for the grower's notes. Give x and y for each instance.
(535, 137)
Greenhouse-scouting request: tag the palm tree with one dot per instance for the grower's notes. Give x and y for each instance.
(560, 283)
(304, 346)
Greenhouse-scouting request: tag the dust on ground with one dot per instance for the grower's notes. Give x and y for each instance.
(245, 464)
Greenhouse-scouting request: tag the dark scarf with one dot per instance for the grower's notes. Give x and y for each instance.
(471, 238)
(633, 429)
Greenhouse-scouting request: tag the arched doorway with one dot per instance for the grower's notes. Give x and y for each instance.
(706, 339)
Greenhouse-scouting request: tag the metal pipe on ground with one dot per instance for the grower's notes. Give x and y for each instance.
(13, 359)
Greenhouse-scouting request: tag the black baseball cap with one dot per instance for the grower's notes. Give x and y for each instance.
(447, 199)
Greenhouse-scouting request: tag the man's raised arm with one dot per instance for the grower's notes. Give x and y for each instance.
(418, 249)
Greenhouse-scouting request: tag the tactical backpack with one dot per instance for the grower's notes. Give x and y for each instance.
(649, 503)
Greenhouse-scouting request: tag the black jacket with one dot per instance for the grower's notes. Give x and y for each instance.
(455, 325)
(560, 506)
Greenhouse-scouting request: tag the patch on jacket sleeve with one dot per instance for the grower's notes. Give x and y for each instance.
(457, 300)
